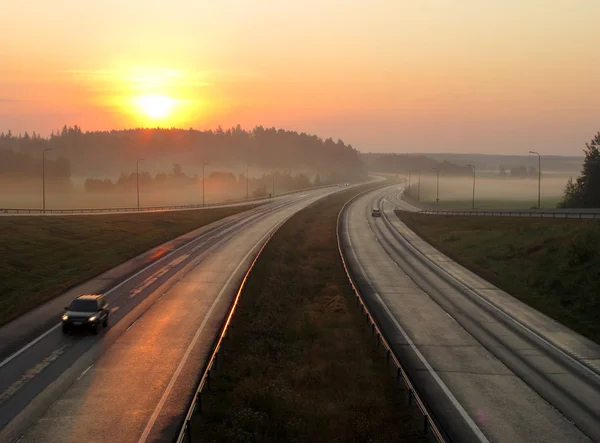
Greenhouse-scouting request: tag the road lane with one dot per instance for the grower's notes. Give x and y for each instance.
(108, 387)
(508, 380)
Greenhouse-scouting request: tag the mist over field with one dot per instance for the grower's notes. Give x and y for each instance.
(100, 169)
(490, 191)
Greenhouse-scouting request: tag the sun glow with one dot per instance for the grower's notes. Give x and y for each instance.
(155, 106)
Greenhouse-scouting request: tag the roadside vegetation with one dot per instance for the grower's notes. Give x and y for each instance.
(484, 205)
(298, 363)
(552, 265)
(42, 257)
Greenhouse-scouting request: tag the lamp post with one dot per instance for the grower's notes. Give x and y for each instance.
(137, 177)
(539, 177)
(247, 168)
(44, 179)
(437, 194)
(203, 165)
(473, 204)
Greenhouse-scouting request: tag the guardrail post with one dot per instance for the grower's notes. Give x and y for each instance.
(188, 431)
(199, 403)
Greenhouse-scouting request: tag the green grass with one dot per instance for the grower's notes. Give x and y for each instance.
(487, 205)
(552, 265)
(299, 364)
(44, 256)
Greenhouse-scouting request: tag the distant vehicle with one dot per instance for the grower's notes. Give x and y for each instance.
(88, 311)
(375, 212)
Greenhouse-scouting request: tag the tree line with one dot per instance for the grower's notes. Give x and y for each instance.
(104, 153)
(405, 163)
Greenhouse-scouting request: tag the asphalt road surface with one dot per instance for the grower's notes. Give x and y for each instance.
(133, 382)
(490, 367)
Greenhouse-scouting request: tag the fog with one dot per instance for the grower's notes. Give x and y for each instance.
(102, 169)
(219, 186)
(490, 191)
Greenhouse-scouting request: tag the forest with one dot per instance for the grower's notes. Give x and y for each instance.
(111, 153)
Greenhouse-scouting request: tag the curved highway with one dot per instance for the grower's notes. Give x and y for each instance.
(490, 367)
(134, 381)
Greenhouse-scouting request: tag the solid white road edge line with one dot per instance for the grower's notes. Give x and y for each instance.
(167, 391)
(482, 438)
(114, 288)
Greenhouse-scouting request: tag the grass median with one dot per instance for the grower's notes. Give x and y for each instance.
(44, 256)
(552, 265)
(299, 363)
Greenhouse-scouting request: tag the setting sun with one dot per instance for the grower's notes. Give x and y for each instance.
(155, 106)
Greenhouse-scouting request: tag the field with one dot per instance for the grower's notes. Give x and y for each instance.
(456, 193)
(488, 205)
(552, 265)
(299, 364)
(44, 256)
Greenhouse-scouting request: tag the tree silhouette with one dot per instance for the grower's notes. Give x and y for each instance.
(585, 191)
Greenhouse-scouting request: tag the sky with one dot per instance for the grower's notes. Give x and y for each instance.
(467, 76)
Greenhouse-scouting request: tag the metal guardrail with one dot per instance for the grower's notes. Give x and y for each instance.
(429, 421)
(69, 211)
(509, 213)
(185, 433)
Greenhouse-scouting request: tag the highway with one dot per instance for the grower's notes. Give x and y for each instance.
(133, 382)
(490, 367)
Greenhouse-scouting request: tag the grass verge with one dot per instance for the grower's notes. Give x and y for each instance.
(44, 256)
(299, 364)
(552, 265)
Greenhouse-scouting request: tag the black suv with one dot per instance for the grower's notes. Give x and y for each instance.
(86, 311)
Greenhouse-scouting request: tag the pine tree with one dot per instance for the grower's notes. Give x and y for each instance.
(585, 191)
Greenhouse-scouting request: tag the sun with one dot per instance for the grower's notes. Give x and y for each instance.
(155, 106)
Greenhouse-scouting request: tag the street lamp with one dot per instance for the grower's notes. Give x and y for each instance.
(437, 195)
(203, 165)
(247, 167)
(137, 177)
(539, 176)
(473, 205)
(44, 179)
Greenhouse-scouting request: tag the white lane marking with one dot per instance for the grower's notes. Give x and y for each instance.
(29, 345)
(167, 391)
(85, 372)
(154, 277)
(114, 309)
(31, 373)
(131, 325)
(114, 288)
(463, 413)
(443, 273)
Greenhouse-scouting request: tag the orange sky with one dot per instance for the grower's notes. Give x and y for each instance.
(487, 76)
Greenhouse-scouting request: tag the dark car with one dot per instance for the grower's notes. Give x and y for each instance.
(86, 311)
(375, 212)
